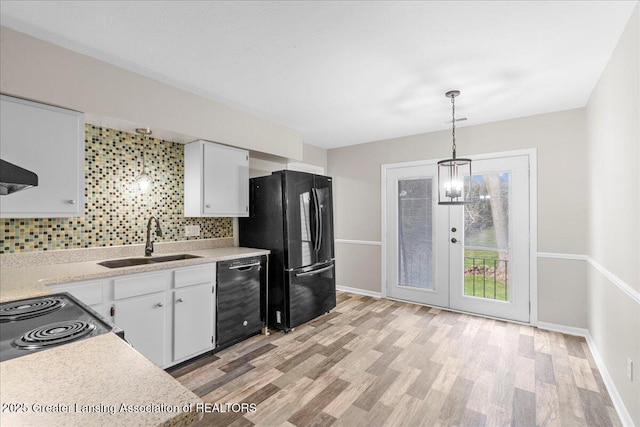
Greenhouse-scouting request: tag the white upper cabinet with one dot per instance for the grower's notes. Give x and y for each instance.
(48, 141)
(216, 180)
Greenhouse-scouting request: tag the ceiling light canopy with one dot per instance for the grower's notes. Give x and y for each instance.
(452, 172)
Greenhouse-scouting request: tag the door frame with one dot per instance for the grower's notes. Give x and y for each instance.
(532, 154)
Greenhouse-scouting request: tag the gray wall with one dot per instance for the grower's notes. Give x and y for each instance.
(613, 123)
(560, 140)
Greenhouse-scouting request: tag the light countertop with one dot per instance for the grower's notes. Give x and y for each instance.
(100, 380)
(31, 281)
(97, 381)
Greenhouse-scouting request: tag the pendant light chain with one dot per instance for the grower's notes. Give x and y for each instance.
(453, 121)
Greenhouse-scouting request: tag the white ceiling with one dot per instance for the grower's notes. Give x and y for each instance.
(347, 72)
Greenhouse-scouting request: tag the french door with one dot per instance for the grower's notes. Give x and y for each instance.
(472, 258)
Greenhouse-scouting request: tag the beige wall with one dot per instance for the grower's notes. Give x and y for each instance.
(113, 97)
(264, 165)
(560, 140)
(562, 283)
(313, 155)
(360, 263)
(613, 114)
(613, 123)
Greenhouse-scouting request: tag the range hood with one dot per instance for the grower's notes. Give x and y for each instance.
(14, 178)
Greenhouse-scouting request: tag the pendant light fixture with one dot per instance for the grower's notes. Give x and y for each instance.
(452, 172)
(143, 180)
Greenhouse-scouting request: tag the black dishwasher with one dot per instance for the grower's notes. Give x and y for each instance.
(241, 299)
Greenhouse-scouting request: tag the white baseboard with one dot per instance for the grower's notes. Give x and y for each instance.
(359, 291)
(625, 417)
(569, 330)
(359, 242)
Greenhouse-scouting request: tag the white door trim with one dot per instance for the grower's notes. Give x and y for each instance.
(533, 217)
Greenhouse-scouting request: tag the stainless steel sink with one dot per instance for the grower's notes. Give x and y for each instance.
(128, 262)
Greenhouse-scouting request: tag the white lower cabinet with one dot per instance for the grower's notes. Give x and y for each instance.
(193, 311)
(167, 315)
(143, 321)
(140, 310)
(192, 321)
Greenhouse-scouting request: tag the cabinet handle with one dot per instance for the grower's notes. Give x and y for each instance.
(180, 300)
(245, 323)
(71, 202)
(160, 304)
(207, 206)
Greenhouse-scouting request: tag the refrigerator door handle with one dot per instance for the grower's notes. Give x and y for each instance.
(320, 221)
(316, 213)
(311, 273)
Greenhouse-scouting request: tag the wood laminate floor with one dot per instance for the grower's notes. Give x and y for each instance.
(377, 362)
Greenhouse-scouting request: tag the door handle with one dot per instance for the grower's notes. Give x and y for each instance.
(454, 240)
(316, 213)
(320, 221)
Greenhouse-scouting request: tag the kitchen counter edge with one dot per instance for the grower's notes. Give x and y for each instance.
(29, 282)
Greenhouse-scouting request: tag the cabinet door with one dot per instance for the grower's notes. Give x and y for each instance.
(226, 181)
(193, 321)
(48, 141)
(143, 322)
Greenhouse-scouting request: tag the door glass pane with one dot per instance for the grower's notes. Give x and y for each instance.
(415, 241)
(486, 237)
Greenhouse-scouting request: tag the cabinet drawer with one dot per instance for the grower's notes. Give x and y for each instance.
(140, 285)
(88, 293)
(195, 275)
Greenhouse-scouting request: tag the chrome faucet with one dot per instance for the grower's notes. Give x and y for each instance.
(148, 248)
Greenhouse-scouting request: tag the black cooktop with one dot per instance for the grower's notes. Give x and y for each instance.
(36, 324)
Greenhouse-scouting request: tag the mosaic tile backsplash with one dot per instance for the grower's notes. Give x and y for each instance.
(115, 211)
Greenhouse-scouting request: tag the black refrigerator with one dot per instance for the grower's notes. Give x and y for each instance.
(291, 214)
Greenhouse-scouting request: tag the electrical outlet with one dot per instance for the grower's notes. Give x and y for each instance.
(630, 369)
(191, 230)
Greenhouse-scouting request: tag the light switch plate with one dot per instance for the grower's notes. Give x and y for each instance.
(191, 230)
